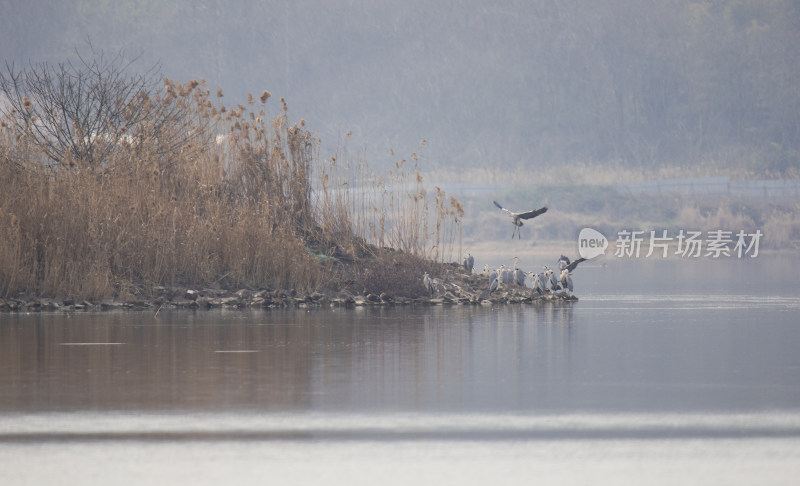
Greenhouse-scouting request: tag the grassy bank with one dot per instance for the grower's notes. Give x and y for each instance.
(177, 188)
(234, 196)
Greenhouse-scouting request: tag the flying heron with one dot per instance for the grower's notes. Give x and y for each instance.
(517, 218)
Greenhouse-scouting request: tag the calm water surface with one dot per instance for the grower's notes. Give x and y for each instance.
(665, 372)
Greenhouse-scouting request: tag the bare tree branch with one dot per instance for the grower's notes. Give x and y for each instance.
(79, 111)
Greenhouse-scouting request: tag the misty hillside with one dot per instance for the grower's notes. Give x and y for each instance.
(518, 83)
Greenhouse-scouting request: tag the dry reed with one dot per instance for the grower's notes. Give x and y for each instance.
(243, 200)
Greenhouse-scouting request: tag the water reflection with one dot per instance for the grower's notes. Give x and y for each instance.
(683, 379)
(357, 358)
(680, 349)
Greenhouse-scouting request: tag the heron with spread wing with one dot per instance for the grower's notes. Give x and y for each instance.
(564, 262)
(517, 218)
(566, 269)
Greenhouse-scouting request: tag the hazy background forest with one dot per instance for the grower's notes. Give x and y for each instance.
(512, 85)
(617, 114)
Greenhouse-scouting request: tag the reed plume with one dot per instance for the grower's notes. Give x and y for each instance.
(243, 200)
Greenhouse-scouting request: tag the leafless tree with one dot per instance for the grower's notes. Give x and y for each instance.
(77, 112)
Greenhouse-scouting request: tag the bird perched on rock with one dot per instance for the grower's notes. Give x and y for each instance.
(469, 263)
(566, 280)
(551, 277)
(542, 281)
(519, 275)
(428, 282)
(536, 283)
(505, 275)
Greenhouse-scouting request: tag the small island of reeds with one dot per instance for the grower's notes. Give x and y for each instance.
(135, 191)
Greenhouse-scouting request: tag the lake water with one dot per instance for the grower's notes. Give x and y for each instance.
(664, 372)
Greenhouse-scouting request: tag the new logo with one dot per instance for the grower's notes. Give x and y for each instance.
(591, 243)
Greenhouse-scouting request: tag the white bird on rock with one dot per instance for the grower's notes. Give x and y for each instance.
(519, 275)
(428, 282)
(566, 280)
(536, 283)
(469, 263)
(549, 275)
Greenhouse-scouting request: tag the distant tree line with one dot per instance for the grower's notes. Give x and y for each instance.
(668, 80)
(518, 82)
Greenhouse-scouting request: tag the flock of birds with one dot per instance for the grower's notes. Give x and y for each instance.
(541, 283)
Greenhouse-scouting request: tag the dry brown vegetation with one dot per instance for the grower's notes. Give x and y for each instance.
(235, 196)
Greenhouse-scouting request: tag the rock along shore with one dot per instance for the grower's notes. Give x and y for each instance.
(451, 289)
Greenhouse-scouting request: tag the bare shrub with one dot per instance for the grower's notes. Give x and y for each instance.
(80, 111)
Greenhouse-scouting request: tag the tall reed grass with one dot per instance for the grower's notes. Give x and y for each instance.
(240, 198)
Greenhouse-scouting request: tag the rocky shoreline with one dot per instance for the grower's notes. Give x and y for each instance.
(452, 289)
